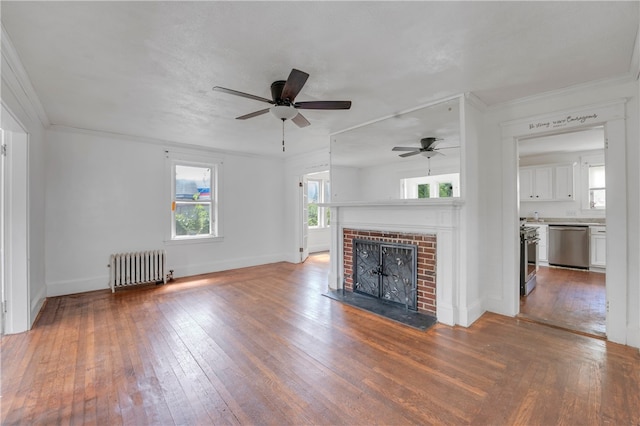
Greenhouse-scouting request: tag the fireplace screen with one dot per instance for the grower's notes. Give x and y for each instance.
(386, 271)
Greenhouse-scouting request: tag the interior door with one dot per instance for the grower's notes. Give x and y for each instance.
(304, 218)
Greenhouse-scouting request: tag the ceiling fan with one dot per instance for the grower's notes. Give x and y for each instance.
(427, 149)
(283, 95)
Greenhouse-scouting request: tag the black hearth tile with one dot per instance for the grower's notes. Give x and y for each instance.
(389, 310)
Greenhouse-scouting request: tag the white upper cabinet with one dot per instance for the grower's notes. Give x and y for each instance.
(564, 182)
(547, 183)
(536, 184)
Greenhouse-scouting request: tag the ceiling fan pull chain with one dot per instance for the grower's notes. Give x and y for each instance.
(283, 135)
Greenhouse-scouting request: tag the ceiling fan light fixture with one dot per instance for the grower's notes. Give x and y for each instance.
(429, 154)
(284, 112)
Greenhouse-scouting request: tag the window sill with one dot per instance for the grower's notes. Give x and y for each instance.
(194, 240)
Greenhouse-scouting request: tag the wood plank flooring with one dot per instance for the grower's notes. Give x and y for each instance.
(568, 298)
(262, 346)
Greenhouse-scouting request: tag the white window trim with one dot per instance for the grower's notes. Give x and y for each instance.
(323, 198)
(195, 160)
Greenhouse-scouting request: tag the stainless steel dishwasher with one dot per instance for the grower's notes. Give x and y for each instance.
(569, 246)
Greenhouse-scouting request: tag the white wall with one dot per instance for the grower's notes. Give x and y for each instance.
(107, 194)
(345, 184)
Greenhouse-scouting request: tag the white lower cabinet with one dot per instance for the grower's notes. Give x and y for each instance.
(598, 246)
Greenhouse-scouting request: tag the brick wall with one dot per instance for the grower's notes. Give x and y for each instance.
(426, 251)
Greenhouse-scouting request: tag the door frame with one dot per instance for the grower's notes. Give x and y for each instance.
(16, 225)
(611, 115)
(304, 218)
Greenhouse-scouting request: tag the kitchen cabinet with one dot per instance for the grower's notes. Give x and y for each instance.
(543, 235)
(563, 180)
(552, 182)
(536, 183)
(598, 246)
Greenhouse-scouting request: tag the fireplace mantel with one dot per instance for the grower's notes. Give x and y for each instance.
(436, 217)
(434, 202)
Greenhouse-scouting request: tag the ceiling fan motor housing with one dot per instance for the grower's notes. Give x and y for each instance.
(276, 92)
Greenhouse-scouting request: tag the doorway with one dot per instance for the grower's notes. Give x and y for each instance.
(562, 187)
(317, 218)
(14, 263)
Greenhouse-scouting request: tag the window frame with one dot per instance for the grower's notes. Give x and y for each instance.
(175, 159)
(323, 196)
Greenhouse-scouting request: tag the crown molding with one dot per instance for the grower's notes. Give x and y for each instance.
(19, 83)
(476, 101)
(153, 141)
(626, 78)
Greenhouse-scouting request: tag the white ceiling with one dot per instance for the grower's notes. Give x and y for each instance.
(147, 68)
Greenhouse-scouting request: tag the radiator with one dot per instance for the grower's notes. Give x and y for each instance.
(127, 269)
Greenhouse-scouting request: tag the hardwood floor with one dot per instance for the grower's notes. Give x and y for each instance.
(261, 345)
(568, 298)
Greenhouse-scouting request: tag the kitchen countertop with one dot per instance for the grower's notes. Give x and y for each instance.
(565, 221)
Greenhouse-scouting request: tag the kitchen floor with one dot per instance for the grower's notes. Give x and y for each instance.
(569, 299)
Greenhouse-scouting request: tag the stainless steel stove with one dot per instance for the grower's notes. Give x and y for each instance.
(528, 258)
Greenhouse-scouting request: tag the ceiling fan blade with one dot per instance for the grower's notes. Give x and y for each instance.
(446, 147)
(404, 148)
(294, 84)
(242, 94)
(300, 120)
(409, 154)
(323, 105)
(253, 114)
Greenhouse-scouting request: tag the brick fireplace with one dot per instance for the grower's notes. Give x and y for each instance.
(426, 261)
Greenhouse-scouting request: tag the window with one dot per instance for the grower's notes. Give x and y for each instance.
(438, 186)
(597, 187)
(423, 190)
(318, 190)
(445, 190)
(592, 182)
(194, 199)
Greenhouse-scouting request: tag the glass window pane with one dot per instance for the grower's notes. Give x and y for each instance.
(597, 198)
(423, 190)
(313, 215)
(313, 191)
(327, 192)
(446, 190)
(596, 177)
(193, 183)
(193, 219)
